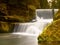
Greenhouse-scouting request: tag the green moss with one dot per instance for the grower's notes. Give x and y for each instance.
(51, 33)
(6, 27)
(57, 15)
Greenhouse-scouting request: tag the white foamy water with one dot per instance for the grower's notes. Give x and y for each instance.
(33, 28)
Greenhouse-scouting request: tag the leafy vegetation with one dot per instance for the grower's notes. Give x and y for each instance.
(57, 15)
(44, 4)
(18, 10)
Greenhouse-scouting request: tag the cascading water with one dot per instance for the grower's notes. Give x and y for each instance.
(32, 28)
(25, 33)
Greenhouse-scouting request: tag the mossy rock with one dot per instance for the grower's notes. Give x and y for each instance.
(51, 33)
(57, 15)
(6, 27)
(49, 43)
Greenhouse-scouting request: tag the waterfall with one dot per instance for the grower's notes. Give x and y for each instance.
(20, 27)
(32, 28)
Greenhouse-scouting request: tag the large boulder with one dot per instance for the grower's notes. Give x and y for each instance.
(51, 34)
